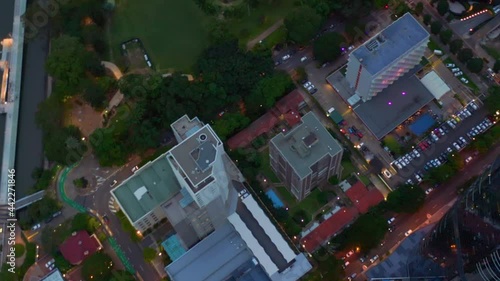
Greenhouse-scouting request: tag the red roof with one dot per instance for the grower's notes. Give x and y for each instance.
(287, 106)
(289, 102)
(79, 246)
(328, 228)
(363, 198)
(260, 126)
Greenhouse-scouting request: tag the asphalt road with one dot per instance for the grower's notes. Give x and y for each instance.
(436, 205)
(99, 201)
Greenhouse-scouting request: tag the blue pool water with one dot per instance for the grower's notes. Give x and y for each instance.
(276, 200)
(422, 124)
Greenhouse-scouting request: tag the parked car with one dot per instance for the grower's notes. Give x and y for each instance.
(456, 69)
(468, 159)
(428, 190)
(391, 220)
(456, 146)
(303, 59)
(285, 57)
(135, 168)
(416, 154)
(474, 105)
(350, 253)
(460, 73)
(449, 65)
(375, 258)
(464, 80)
(409, 181)
(113, 183)
(418, 178)
(451, 124)
(35, 227)
(408, 232)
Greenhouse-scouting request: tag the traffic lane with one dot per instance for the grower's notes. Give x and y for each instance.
(443, 143)
(435, 201)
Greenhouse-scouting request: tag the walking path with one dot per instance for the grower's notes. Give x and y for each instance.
(118, 96)
(264, 34)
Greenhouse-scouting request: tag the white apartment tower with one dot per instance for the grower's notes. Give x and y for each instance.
(198, 161)
(387, 56)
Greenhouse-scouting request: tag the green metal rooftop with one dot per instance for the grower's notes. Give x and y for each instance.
(149, 187)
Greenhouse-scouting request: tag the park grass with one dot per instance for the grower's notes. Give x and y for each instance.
(310, 204)
(259, 19)
(275, 38)
(265, 166)
(365, 180)
(174, 32)
(492, 52)
(348, 169)
(392, 143)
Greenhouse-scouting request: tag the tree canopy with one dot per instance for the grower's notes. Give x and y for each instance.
(445, 36)
(65, 145)
(302, 24)
(443, 7)
(436, 27)
(406, 199)
(427, 19)
(456, 45)
(266, 92)
(492, 102)
(149, 254)
(97, 267)
(353, 8)
(475, 65)
(496, 66)
(356, 234)
(229, 124)
(83, 221)
(465, 54)
(328, 47)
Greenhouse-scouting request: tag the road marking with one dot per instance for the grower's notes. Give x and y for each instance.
(140, 266)
(130, 250)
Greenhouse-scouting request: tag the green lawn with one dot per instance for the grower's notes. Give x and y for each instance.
(266, 166)
(492, 52)
(277, 37)
(259, 19)
(310, 204)
(392, 143)
(174, 32)
(348, 169)
(366, 181)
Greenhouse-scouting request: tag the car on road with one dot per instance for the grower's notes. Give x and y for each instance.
(428, 190)
(350, 278)
(387, 174)
(391, 220)
(50, 263)
(135, 168)
(113, 183)
(408, 232)
(285, 57)
(105, 218)
(460, 73)
(35, 227)
(345, 264)
(350, 253)
(468, 159)
(303, 59)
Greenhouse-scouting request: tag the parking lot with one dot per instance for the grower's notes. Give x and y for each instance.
(437, 147)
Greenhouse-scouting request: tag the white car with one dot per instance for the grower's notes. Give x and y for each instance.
(350, 253)
(113, 183)
(408, 233)
(456, 146)
(35, 227)
(468, 159)
(285, 57)
(307, 84)
(372, 260)
(464, 80)
(429, 190)
(134, 169)
(49, 263)
(474, 105)
(434, 137)
(416, 154)
(303, 59)
(418, 178)
(460, 73)
(409, 181)
(450, 65)
(455, 69)
(387, 174)
(463, 140)
(391, 220)
(449, 149)
(451, 124)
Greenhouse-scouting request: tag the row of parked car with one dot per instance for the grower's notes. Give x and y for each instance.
(309, 87)
(457, 72)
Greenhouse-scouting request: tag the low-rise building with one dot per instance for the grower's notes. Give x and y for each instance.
(305, 157)
(79, 246)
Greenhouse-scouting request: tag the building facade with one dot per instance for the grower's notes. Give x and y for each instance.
(466, 241)
(305, 157)
(387, 56)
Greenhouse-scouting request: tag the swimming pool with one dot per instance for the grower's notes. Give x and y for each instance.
(276, 200)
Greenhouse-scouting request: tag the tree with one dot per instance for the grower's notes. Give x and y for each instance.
(149, 254)
(406, 199)
(81, 182)
(301, 24)
(496, 67)
(82, 221)
(333, 180)
(97, 267)
(456, 45)
(39, 211)
(464, 55)
(445, 35)
(355, 235)
(456, 161)
(65, 146)
(419, 8)
(266, 92)
(94, 94)
(441, 174)
(492, 102)
(110, 149)
(301, 217)
(229, 124)
(328, 46)
(352, 9)
(443, 7)
(436, 27)
(427, 19)
(49, 114)
(475, 65)
(122, 275)
(322, 197)
(66, 61)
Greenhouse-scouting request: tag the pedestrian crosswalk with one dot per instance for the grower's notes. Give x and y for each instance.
(112, 205)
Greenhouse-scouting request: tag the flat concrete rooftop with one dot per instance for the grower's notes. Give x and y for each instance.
(384, 112)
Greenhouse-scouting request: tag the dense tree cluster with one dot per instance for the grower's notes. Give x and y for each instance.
(328, 47)
(406, 199)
